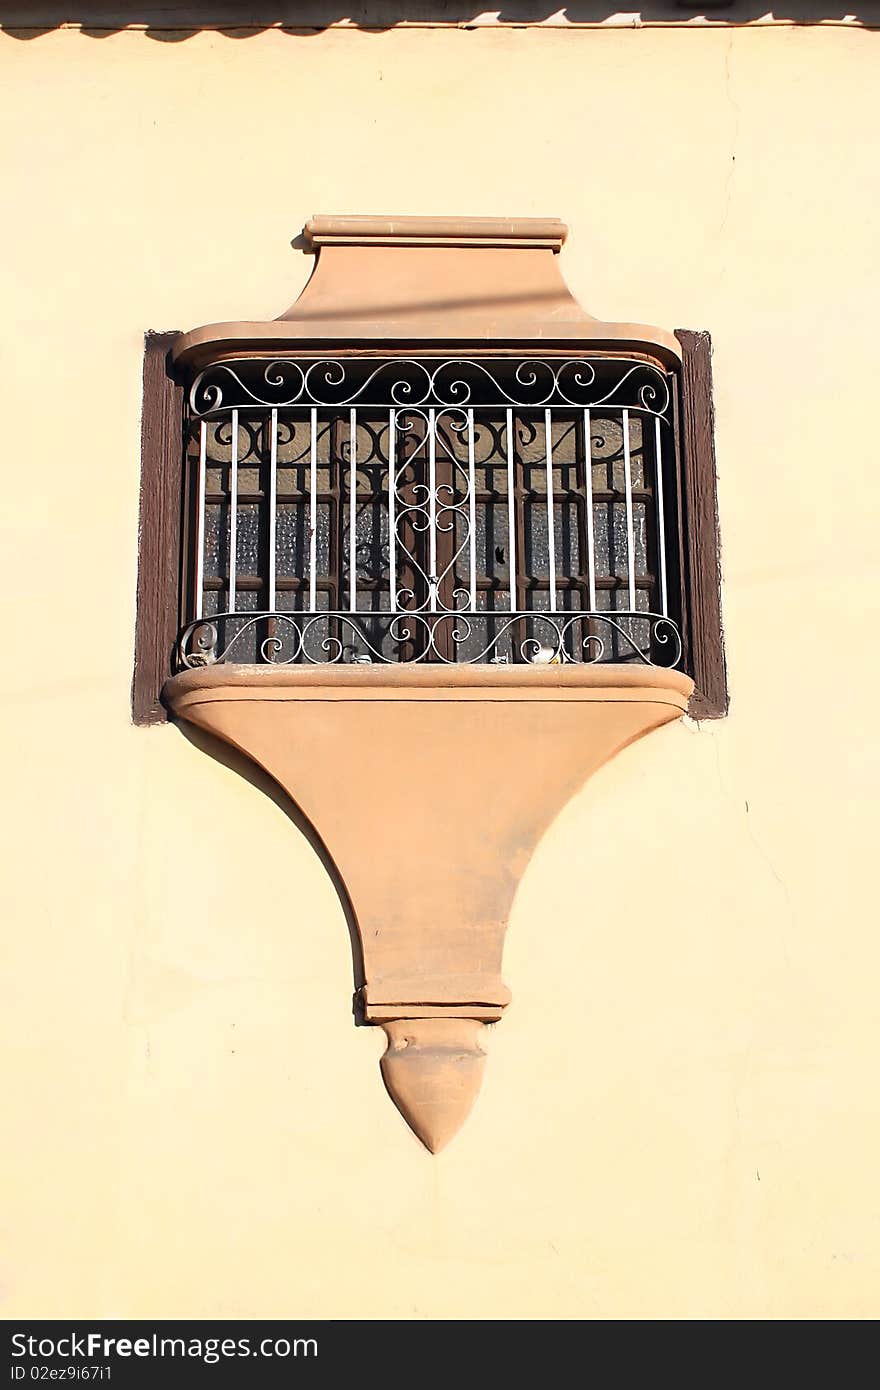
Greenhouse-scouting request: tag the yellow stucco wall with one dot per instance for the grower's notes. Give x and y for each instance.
(683, 1120)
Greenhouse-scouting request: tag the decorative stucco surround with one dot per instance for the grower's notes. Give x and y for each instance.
(373, 755)
(405, 281)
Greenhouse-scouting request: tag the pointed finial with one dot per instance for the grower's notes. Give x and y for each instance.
(433, 1070)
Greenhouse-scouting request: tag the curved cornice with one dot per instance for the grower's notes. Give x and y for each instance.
(419, 281)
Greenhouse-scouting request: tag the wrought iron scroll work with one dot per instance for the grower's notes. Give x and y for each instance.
(555, 638)
(437, 412)
(332, 383)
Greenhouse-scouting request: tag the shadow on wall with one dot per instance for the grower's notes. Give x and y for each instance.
(246, 768)
(30, 18)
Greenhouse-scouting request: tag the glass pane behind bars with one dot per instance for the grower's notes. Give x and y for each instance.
(418, 533)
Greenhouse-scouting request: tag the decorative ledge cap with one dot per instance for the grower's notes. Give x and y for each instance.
(540, 233)
(425, 283)
(605, 682)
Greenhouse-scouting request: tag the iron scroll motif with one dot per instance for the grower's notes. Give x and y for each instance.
(582, 383)
(362, 638)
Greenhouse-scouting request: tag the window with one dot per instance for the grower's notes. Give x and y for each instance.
(497, 542)
(413, 505)
(497, 510)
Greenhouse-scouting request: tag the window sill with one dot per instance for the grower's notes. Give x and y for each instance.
(609, 682)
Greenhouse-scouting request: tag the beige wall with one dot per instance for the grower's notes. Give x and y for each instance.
(681, 1121)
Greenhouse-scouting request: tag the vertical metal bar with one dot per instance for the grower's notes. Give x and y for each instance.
(233, 514)
(432, 512)
(352, 509)
(273, 503)
(200, 519)
(630, 540)
(677, 500)
(661, 518)
(588, 499)
(511, 513)
(313, 510)
(551, 520)
(392, 519)
(472, 511)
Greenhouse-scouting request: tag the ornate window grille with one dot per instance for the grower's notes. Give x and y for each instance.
(431, 509)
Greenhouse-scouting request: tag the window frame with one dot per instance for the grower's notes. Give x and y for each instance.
(160, 561)
(704, 657)
(162, 565)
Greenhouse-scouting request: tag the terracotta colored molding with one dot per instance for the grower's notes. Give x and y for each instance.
(546, 233)
(430, 281)
(431, 901)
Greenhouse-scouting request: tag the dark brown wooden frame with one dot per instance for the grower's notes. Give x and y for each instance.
(703, 634)
(159, 530)
(161, 507)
